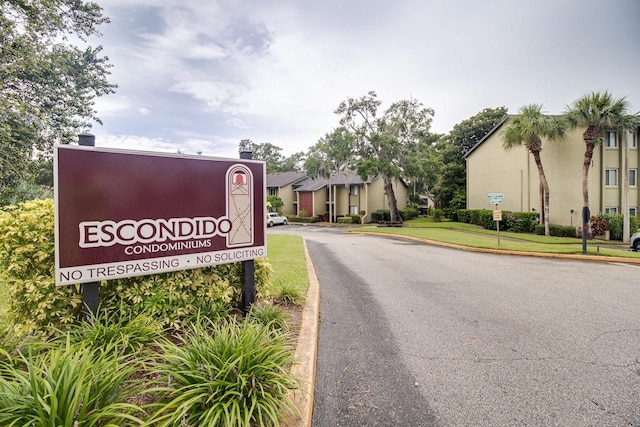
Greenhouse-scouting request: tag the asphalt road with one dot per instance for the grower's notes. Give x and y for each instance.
(419, 335)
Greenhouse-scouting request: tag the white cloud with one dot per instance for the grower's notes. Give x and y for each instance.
(276, 70)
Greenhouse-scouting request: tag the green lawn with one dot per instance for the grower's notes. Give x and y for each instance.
(477, 237)
(286, 255)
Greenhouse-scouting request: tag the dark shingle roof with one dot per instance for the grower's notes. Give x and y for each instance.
(337, 178)
(281, 179)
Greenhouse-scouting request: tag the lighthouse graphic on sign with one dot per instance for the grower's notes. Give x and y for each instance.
(240, 206)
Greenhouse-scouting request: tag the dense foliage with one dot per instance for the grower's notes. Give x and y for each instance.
(226, 374)
(519, 222)
(47, 83)
(452, 148)
(27, 268)
(385, 140)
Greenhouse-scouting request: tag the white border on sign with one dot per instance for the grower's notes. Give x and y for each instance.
(89, 273)
(144, 267)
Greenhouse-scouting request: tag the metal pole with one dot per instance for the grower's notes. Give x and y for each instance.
(91, 290)
(586, 214)
(248, 267)
(497, 226)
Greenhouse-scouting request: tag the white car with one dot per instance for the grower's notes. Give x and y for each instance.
(274, 218)
(634, 242)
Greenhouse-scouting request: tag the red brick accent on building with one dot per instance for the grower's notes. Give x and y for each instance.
(306, 202)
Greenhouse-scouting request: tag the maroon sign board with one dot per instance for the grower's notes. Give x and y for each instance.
(125, 213)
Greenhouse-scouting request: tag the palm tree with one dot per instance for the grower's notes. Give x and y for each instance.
(597, 112)
(527, 128)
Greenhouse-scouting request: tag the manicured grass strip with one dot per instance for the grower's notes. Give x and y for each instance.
(461, 234)
(286, 255)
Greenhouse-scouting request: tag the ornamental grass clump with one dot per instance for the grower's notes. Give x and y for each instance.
(125, 335)
(234, 373)
(68, 386)
(271, 316)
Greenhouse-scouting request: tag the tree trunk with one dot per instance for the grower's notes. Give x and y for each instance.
(590, 136)
(545, 187)
(391, 197)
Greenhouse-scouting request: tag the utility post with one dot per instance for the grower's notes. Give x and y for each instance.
(91, 290)
(248, 267)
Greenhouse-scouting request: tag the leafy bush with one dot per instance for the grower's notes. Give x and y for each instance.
(521, 222)
(303, 213)
(437, 215)
(356, 219)
(598, 225)
(127, 336)
(556, 230)
(27, 264)
(27, 268)
(408, 213)
(615, 224)
(289, 293)
(271, 316)
(381, 215)
(345, 220)
(306, 219)
(69, 387)
(464, 216)
(231, 374)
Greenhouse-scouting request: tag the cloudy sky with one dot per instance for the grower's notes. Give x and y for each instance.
(200, 75)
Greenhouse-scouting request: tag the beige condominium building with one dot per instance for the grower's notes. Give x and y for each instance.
(492, 169)
(344, 193)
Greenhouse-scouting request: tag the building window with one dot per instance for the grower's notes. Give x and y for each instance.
(633, 211)
(633, 143)
(353, 190)
(633, 177)
(353, 210)
(611, 140)
(611, 210)
(611, 177)
(273, 191)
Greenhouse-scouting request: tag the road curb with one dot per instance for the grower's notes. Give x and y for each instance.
(306, 351)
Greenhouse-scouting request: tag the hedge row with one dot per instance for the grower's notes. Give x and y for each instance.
(306, 219)
(518, 222)
(27, 269)
(385, 214)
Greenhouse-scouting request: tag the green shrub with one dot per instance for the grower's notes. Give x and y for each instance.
(356, 219)
(520, 222)
(437, 215)
(464, 216)
(381, 215)
(27, 264)
(556, 230)
(271, 316)
(27, 269)
(408, 213)
(231, 374)
(126, 336)
(345, 220)
(307, 219)
(288, 293)
(485, 219)
(615, 225)
(68, 387)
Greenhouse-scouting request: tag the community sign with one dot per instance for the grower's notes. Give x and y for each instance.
(125, 213)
